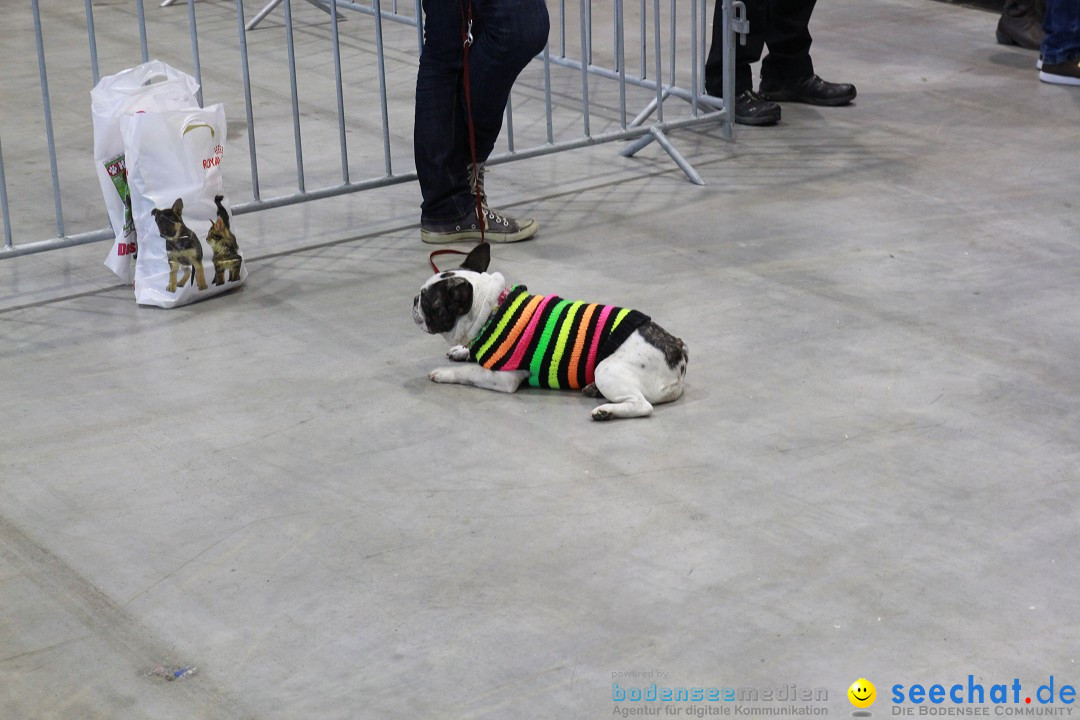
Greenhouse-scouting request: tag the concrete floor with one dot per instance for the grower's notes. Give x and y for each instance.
(872, 473)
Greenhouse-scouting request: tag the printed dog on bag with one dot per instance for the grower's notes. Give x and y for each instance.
(226, 252)
(181, 244)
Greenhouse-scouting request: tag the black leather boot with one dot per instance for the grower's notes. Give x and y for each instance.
(1020, 24)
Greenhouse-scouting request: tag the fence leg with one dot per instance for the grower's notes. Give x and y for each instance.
(661, 139)
(649, 109)
(321, 4)
(633, 148)
(677, 156)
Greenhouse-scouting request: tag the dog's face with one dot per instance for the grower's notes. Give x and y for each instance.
(443, 300)
(170, 221)
(450, 302)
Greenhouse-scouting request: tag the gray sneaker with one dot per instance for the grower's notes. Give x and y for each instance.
(497, 229)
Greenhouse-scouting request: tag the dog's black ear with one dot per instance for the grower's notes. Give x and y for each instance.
(478, 259)
(178, 206)
(460, 296)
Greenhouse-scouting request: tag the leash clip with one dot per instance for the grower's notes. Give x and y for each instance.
(468, 34)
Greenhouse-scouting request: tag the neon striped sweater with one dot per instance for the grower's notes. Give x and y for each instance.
(559, 341)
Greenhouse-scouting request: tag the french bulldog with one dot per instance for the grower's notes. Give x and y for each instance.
(504, 336)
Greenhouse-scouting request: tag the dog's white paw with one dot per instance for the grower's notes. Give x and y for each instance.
(602, 414)
(458, 353)
(443, 375)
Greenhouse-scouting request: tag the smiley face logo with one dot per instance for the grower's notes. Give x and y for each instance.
(862, 693)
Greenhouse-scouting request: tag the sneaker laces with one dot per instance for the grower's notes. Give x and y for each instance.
(493, 217)
(476, 182)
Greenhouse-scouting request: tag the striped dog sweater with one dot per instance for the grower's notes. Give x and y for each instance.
(560, 342)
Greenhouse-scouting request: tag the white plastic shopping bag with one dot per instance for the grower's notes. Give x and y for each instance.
(152, 86)
(187, 250)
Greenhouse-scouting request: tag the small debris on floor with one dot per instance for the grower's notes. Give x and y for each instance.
(172, 673)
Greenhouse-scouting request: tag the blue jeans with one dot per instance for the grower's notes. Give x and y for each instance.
(1062, 26)
(507, 34)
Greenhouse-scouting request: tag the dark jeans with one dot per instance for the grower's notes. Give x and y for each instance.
(783, 26)
(507, 34)
(1062, 26)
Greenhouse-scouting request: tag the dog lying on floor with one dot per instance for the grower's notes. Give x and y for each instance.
(505, 336)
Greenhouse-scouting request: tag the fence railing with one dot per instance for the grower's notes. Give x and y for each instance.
(317, 74)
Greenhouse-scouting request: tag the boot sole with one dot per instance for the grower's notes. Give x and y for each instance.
(1006, 39)
(808, 100)
(757, 121)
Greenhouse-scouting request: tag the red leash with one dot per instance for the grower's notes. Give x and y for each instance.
(436, 253)
(466, 42)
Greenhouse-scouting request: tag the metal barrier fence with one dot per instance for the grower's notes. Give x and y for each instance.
(578, 93)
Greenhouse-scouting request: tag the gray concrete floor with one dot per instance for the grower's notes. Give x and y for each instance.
(872, 473)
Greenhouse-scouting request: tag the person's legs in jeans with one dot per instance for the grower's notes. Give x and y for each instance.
(1061, 47)
(506, 35)
(438, 127)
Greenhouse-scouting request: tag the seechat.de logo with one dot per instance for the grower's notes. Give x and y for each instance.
(862, 693)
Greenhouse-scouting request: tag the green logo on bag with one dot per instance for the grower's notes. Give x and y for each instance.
(117, 169)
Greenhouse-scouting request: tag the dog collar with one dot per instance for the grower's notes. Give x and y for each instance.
(499, 302)
(506, 292)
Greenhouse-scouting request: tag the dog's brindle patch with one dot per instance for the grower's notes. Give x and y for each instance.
(444, 302)
(674, 349)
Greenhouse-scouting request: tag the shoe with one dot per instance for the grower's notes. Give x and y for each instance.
(811, 90)
(1039, 63)
(497, 229)
(1020, 25)
(1065, 73)
(751, 109)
